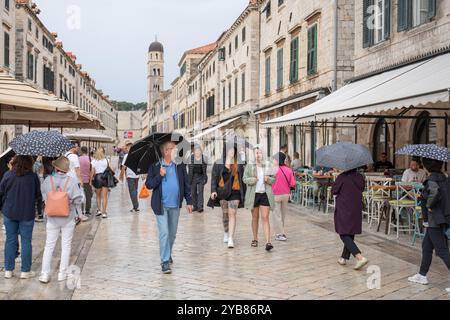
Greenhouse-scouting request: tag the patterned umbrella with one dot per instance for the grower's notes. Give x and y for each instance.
(344, 156)
(41, 143)
(430, 151)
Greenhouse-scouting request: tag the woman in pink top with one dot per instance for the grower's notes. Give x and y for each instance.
(282, 192)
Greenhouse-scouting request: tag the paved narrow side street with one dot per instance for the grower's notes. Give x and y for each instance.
(119, 259)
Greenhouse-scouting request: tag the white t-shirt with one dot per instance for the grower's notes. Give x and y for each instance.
(130, 173)
(411, 176)
(99, 165)
(260, 187)
(74, 163)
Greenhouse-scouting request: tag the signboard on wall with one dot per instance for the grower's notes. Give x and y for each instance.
(128, 134)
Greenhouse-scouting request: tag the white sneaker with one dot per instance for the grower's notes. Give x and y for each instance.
(280, 237)
(342, 261)
(19, 260)
(9, 274)
(83, 218)
(62, 276)
(448, 290)
(104, 216)
(361, 263)
(225, 237)
(27, 275)
(418, 278)
(44, 278)
(230, 243)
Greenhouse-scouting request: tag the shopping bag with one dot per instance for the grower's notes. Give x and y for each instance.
(144, 193)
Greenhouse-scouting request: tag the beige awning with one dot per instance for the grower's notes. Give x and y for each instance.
(21, 104)
(89, 135)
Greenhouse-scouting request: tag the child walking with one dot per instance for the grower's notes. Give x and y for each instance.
(60, 223)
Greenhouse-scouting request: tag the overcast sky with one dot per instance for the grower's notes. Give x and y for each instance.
(111, 38)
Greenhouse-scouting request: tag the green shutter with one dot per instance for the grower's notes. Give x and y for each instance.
(431, 9)
(293, 74)
(267, 91)
(403, 14)
(243, 87)
(387, 19)
(280, 68)
(312, 49)
(367, 19)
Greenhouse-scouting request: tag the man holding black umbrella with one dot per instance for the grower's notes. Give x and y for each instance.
(170, 184)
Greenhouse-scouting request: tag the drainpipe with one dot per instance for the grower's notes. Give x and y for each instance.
(335, 44)
(335, 58)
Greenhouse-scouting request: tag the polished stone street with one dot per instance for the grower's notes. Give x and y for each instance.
(119, 259)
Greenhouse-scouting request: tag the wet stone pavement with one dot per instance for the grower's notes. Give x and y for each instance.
(118, 258)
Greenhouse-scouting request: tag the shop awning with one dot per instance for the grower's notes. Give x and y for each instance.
(415, 85)
(89, 135)
(21, 104)
(314, 94)
(213, 129)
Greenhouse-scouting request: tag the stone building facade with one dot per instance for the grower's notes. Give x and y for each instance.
(7, 52)
(39, 59)
(412, 30)
(300, 62)
(129, 126)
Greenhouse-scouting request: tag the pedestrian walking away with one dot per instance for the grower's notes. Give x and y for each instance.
(258, 176)
(69, 198)
(170, 184)
(132, 180)
(99, 166)
(284, 182)
(435, 203)
(348, 189)
(197, 171)
(75, 173)
(228, 190)
(85, 172)
(19, 191)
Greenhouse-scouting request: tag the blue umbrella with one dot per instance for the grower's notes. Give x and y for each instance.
(344, 156)
(41, 143)
(430, 151)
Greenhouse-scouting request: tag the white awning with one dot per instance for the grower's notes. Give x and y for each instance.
(286, 103)
(417, 84)
(213, 129)
(90, 135)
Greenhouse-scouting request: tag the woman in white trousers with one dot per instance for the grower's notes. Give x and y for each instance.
(64, 225)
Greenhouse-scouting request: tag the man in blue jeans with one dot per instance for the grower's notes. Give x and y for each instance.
(170, 184)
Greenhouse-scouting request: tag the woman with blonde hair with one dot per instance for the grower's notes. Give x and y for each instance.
(99, 166)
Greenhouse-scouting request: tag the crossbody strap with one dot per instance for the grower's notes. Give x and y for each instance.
(287, 181)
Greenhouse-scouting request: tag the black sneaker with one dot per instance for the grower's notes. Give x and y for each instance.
(39, 219)
(170, 260)
(165, 268)
(269, 247)
(201, 211)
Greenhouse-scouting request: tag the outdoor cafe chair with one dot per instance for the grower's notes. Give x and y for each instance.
(379, 193)
(308, 189)
(331, 198)
(406, 201)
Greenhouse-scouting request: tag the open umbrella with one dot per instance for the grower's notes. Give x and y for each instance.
(147, 151)
(41, 143)
(344, 156)
(430, 151)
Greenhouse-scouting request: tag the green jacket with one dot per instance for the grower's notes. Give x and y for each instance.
(250, 179)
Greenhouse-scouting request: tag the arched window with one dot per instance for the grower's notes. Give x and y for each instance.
(154, 72)
(381, 140)
(159, 72)
(157, 56)
(425, 131)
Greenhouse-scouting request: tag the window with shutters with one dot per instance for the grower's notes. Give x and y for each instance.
(236, 42)
(377, 21)
(236, 88)
(312, 50)
(293, 70)
(267, 76)
(30, 66)
(224, 89)
(222, 54)
(244, 34)
(413, 13)
(6, 50)
(7, 5)
(243, 87)
(229, 95)
(280, 68)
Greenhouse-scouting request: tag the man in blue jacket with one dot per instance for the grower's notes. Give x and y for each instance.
(170, 184)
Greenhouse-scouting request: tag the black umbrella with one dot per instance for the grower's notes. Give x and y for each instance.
(41, 143)
(147, 151)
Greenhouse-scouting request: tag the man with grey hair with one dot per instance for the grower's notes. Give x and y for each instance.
(170, 184)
